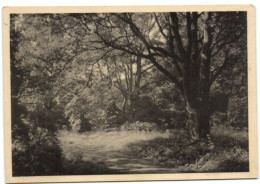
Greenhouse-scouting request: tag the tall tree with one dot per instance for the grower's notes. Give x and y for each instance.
(191, 49)
(129, 75)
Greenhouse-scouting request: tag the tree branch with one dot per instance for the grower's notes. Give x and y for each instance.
(160, 27)
(167, 73)
(189, 36)
(218, 71)
(227, 40)
(175, 26)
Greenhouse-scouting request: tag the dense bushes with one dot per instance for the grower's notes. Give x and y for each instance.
(237, 114)
(35, 148)
(40, 156)
(113, 116)
(148, 114)
(19, 128)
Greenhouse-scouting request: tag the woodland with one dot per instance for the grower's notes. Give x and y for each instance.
(100, 93)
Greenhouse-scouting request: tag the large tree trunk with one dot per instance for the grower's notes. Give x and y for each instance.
(198, 123)
(196, 83)
(203, 121)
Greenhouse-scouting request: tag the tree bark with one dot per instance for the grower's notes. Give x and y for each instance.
(196, 81)
(198, 123)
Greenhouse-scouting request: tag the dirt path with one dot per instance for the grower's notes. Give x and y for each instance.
(110, 149)
(125, 162)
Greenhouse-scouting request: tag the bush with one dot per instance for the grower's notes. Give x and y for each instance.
(52, 120)
(85, 125)
(114, 117)
(139, 126)
(174, 151)
(237, 113)
(235, 161)
(39, 157)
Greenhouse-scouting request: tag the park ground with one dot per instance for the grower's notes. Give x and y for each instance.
(137, 152)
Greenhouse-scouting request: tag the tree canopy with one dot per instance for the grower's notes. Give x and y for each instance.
(106, 69)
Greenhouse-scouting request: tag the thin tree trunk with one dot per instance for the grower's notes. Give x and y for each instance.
(124, 107)
(131, 109)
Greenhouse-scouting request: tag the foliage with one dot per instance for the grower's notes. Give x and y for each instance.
(190, 49)
(139, 126)
(85, 67)
(40, 156)
(229, 155)
(171, 151)
(135, 71)
(35, 118)
(50, 119)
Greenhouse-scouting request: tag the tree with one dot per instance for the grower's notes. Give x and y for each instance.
(19, 128)
(129, 75)
(35, 149)
(191, 49)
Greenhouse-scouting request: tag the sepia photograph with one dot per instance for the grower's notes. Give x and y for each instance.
(126, 93)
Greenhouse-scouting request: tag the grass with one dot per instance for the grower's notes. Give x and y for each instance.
(230, 153)
(105, 140)
(88, 153)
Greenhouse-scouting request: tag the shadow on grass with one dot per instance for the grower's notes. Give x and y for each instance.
(233, 165)
(169, 152)
(230, 153)
(61, 167)
(227, 141)
(227, 165)
(174, 154)
(81, 167)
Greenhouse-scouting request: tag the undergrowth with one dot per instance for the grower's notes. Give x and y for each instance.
(229, 155)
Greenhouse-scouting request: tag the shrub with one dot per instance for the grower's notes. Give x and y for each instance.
(174, 151)
(113, 115)
(85, 125)
(40, 156)
(52, 120)
(139, 126)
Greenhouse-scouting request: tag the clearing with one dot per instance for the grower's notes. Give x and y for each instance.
(109, 150)
(136, 152)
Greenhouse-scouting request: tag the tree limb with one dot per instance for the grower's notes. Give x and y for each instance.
(160, 27)
(175, 26)
(167, 73)
(218, 71)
